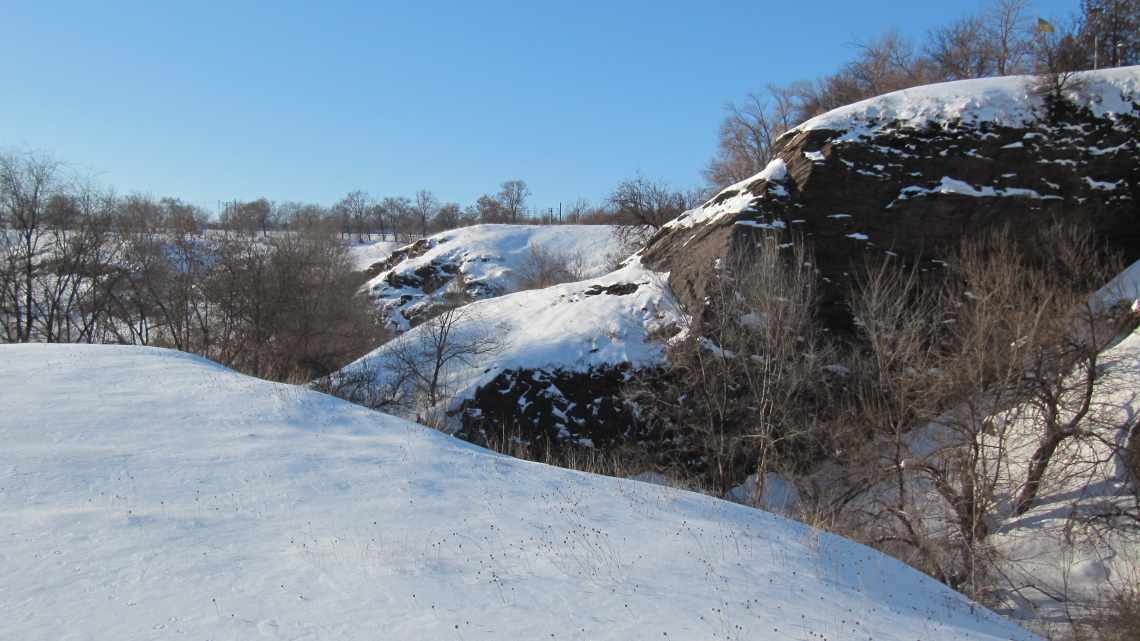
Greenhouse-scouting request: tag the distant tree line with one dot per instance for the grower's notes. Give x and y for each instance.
(80, 264)
(1004, 38)
(267, 288)
(635, 202)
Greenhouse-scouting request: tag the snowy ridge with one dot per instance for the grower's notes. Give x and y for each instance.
(367, 253)
(978, 105)
(177, 498)
(485, 261)
(574, 326)
(1007, 101)
(733, 199)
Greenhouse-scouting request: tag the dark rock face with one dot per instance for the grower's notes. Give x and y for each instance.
(418, 248)
(618, 289)
(546, 412)
(424, 280)
(917, 191)
(551, 409)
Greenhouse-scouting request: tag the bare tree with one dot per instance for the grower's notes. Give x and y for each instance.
(424, 208)
(641, 206)
(962, 49)
(512, 199)
(1059, 58)
(448, 216)
(889, 63)
(28, 182)
(1111, 29)
(247, 217)
(354, 212)
(425, 357)
(398, 211)
(1008, 30)
(1004, 345)
(748, 376)
(748, 134)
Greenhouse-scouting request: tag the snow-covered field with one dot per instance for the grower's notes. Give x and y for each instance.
(488, 260)
(150, 494)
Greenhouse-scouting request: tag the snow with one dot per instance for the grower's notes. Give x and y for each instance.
(1101, 185)
(950, 185)
(1007, 101)
(1044, 547)
(149, 494)
(369, 252)
(490, 258)
(780, 495)
(776, 224)
(557, 327)
(733, 199)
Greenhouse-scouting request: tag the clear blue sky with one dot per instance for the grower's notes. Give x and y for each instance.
(306, 101)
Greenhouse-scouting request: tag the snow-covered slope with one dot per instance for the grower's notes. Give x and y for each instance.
(1062, 545)
(482, 261)
(601, 321)
(367, 253)
(1007, 101)
(148, 494)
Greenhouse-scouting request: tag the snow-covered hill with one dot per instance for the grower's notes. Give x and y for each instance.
(604, 321)
(149, 494)
(482, 261)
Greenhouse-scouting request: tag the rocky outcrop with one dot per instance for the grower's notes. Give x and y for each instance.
(912, 174)
(473, 263)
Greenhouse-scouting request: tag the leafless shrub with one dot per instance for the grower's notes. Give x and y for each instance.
(641, 206)
(544, 267)
(1059, 58)
(750, 374)
(950, 373)
(421, 362)
(1120, 621)
(748, 134)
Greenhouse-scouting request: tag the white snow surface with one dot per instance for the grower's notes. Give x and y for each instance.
(149, 494)
(1007, 101)
(559, 327)
(950, 185)
(369, 252)
(775, 172)
(492, 257)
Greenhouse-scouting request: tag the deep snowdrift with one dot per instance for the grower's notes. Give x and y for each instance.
(485, 261)
(146, 493)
